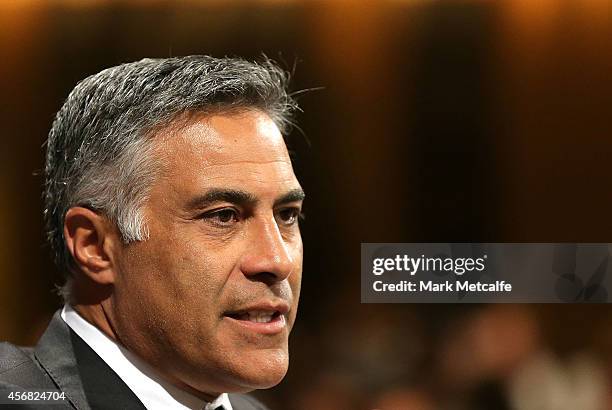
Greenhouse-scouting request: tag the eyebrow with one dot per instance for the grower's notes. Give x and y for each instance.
(295, 195)
(239, 197)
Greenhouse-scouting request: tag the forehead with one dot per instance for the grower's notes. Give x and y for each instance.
(226, 149)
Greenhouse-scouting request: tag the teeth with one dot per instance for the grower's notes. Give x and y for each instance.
(260, 316)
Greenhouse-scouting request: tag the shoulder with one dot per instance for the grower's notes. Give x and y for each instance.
(12, 358)
(19, 368)
(246, 402)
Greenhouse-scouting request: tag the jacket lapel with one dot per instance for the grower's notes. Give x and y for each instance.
(55, 354)
(103, 388)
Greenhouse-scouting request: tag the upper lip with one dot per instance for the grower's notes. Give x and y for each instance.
(275, 305)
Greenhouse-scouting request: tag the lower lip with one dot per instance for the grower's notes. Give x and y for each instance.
(272, 327)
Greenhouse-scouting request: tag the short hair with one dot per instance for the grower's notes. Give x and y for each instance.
(99, 154)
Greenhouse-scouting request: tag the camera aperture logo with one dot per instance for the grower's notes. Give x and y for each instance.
(569, 285)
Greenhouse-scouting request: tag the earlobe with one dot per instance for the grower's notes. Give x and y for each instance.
(90, 239)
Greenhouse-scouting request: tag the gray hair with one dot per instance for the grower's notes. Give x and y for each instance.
(99, 150)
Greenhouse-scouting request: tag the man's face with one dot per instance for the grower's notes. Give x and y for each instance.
(210, 298)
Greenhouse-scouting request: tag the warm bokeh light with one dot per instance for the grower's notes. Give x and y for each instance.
(433, 121)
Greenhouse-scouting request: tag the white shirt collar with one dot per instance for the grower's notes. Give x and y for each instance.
(140, 377)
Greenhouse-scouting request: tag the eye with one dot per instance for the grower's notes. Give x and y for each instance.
(288, 216)
(222, 217)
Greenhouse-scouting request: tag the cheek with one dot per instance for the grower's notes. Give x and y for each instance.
(298, 257)
(171, 277)
(172, 293)
(295, 280)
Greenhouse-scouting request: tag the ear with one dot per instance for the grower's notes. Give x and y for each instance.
(91, 239)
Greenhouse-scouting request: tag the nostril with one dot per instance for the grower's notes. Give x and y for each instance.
(268, 278)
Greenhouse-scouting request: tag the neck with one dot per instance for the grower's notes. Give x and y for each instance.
(96, 315)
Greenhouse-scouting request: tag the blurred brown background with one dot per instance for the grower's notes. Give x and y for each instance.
(439, 121)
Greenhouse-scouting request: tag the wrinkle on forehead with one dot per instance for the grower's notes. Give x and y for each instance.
(245, 162)
(275, 172)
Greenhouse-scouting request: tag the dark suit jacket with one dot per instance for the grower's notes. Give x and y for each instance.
(63, 362)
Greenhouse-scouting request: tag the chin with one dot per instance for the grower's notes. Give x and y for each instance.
(262, 374)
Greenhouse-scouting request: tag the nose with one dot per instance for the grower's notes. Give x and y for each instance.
(268, 255)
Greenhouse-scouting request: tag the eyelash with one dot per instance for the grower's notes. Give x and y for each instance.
(296, 215)
(214, 216)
